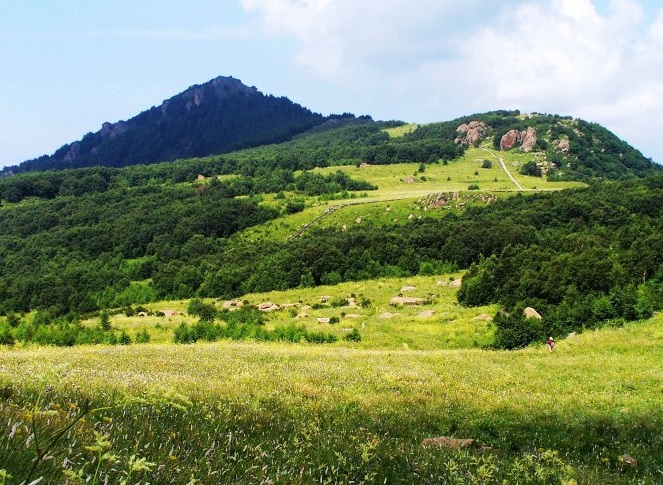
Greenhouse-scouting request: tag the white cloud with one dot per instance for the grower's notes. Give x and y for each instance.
(440, 57)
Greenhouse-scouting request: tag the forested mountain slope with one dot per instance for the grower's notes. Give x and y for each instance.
(216, 117)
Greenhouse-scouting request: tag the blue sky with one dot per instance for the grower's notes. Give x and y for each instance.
(68, 66)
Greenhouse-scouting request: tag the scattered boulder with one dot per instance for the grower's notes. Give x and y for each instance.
(563, 144)
(455, 283)
(426, 314)
(627, 460)
(358, 220)
(572, 334)
(325, 298)
(232, 304)
(168, 313)
(530, 312)
(406, 300)
(352, 315)
(323, 320)
(289, 305)
(408, 288)
(447, 442)
(268, 306)
(387, 315)
(410, 179)
(302, 315)
(483, 317)
(142, 314)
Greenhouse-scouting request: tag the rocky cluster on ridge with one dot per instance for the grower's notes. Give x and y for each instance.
(512, 138)
(471, 134)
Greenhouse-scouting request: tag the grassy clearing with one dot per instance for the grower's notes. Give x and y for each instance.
(257, 413)
(402, 186)
(439, 324)
(400, 131)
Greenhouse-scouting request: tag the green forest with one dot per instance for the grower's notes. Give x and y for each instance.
(77, 241)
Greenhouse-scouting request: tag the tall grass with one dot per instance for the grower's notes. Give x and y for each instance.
(283, 413)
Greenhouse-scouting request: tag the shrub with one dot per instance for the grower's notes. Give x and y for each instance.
(182, 334)
(530, 168)
(473, 187)
(353, 336)
(202, 310)
(142, 337)
(6, 337)
(124, 338)
(514, 331)
(487, 164)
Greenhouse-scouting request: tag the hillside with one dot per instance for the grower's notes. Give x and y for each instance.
(216, 117)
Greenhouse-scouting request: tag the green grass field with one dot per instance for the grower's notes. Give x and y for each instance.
(247, 412)
(402, 186)
(439, 324)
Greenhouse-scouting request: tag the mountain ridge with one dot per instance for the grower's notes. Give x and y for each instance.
(224, 115)
(218, 116)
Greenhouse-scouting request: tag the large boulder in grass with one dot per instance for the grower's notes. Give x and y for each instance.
(406, 300)
(447, 442)
(268, 306)
(530, 312)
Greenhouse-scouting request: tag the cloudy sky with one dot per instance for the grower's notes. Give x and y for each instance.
(68, 66)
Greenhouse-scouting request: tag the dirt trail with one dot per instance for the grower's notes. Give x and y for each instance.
(501, 160)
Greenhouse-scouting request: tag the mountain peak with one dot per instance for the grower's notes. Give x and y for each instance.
(218, 116)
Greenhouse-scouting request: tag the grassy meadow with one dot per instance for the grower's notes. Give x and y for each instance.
(402, 188)
(439, 323)
(230, 412)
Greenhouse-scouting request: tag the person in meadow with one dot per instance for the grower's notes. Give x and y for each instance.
(550, 343)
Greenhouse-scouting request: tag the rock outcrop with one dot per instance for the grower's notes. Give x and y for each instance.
(471, 133)
(530, 312)
(512, 138)
(528, 139)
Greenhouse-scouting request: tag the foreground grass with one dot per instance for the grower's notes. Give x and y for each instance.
(266, 413)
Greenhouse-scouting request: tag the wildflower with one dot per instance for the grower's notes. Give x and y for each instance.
(140, 464)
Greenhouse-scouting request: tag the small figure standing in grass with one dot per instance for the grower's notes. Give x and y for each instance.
(550, 343)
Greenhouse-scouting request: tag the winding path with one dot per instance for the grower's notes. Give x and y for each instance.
(516, 183)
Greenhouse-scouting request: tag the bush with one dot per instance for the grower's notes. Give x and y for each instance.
(487, 164)
(201, 310)
(142, 337)
(6, 337)
(182, 334)
(473, 187)
(353, 336)
(514, 331)
(124, 338)
(530, 168)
